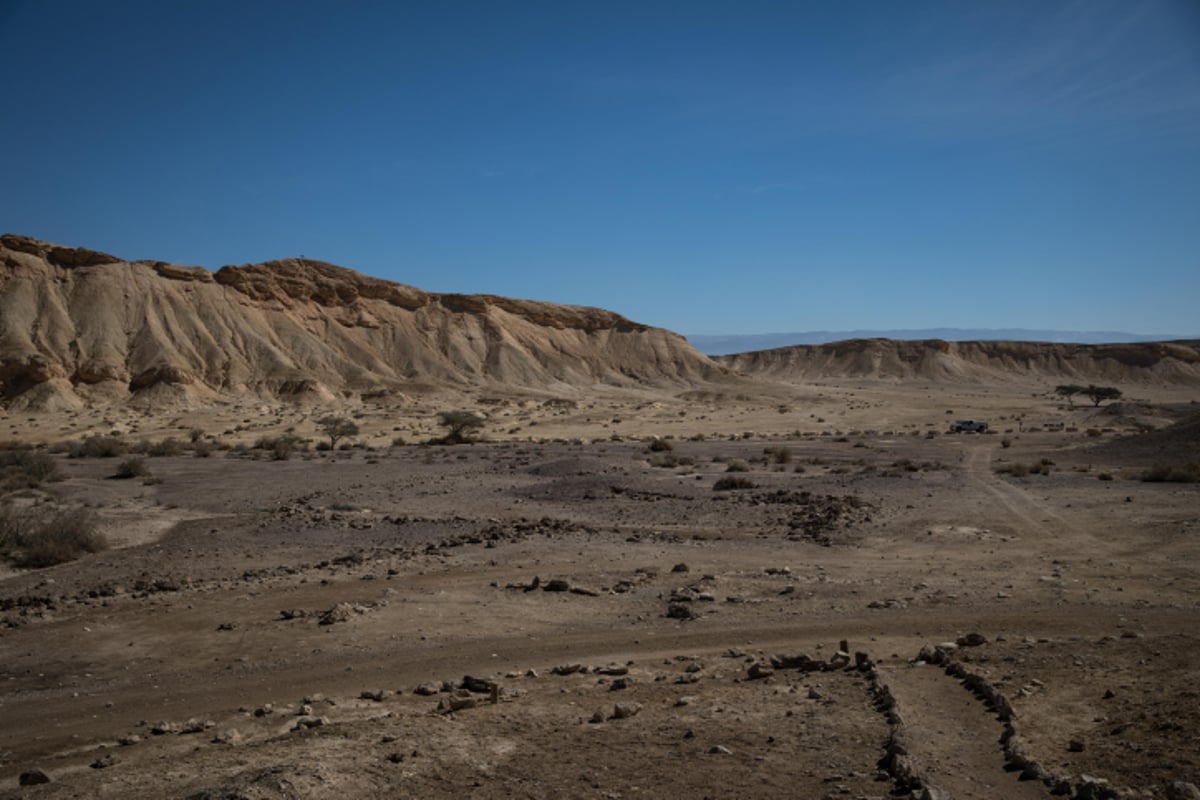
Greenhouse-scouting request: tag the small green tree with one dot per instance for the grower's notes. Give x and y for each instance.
(1069, 390)
(461, 426)
(337, 428)
(1098, 394)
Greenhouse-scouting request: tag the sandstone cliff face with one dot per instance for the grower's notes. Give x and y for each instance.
(77, 325)
(977, 362)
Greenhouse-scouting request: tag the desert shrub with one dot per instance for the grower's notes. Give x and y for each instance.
(202, 449)
(1019, 470)
(781, 455)
(1105, 476)
(737, 465)
(1006, 442)
(167, 447)
(732, 482)
(666, 461)
(799, 469)
(195, 435)
(660, 446)
(1173, 473)
(1093, 432)
(281, 448)
(132, 468)
(399, 442)
(26, 469)
(97, 447)
(36, 537)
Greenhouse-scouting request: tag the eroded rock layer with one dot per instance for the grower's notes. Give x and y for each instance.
(81, 326)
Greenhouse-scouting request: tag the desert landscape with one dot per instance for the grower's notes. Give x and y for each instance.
(548, 551)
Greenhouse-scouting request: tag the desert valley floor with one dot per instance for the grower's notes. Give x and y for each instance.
(567, 609)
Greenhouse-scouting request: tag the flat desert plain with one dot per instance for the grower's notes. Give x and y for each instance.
(568, 609)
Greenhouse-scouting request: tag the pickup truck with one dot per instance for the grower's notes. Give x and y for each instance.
(969, 425)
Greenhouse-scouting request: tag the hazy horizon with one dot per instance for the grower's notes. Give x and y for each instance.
(698, 167)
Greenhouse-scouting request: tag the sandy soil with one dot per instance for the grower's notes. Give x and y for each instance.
(267, 629)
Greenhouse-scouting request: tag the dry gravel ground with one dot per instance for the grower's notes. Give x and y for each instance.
(264, 626)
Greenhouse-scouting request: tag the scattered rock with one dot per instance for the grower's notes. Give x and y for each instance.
(426, 690)
(104, 761)
(478, 685)
(228, 736)
(567, 669)
(372, 694)
(626, 710)
(597, 717)
(457, 702)
(556, 585)
(33, 777)
(1075, 746)
(759, 670)
(342, 612)
(1181, 790)
(971, 640)
(681, 567)
(305, 723)
(719, 750)
(612, 669)
(680, 611)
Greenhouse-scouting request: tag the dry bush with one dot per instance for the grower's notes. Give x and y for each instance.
(780, 455)
(132, 468)
(737, 465)
(282, 447)
(660, 446)
(36, 537)
(732, 482)
(1019, 470)
(97, 447)
(167, 447)
(1172, 473)
(25, 469)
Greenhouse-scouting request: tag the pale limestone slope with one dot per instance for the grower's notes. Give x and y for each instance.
(1158, 363)
(77, 325)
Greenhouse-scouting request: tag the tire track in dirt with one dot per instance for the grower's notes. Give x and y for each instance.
(952, 739)
(1016, 500)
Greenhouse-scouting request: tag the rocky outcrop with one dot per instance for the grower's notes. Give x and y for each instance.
(96, 328)
(970, 362)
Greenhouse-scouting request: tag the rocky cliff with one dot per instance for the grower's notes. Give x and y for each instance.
(80, 326)
(978, 362)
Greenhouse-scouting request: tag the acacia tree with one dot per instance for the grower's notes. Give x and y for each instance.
(1069, 390)
(336, 428)
(1097, 394)
(460, 425)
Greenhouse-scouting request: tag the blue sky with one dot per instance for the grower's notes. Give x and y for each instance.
(707, 167)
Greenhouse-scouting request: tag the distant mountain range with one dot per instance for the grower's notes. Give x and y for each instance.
(715, 345)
